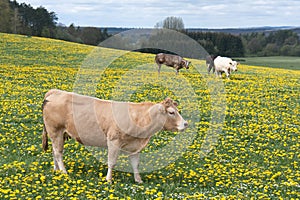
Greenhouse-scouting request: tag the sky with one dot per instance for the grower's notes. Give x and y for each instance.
(194, 13)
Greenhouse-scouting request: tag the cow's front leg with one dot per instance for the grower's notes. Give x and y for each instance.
(159, 66)
(227, 74)
(113, 152)
(177, 69)
(135, 159)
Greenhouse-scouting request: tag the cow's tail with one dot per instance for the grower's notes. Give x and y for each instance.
(45, 139)
(45, 134)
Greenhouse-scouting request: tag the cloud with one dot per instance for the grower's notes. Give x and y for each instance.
(195, 13)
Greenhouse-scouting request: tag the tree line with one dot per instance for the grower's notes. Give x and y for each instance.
(282, 42)
(219, 43)
(277, 43)
(24, 19)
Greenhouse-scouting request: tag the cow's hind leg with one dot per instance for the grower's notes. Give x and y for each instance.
(58, 147)
(217, 73)
(209, 66)
(135, 159)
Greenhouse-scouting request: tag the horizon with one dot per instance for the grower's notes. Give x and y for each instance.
(220, 28)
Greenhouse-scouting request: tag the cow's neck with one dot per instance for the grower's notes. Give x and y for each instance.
(148, 122)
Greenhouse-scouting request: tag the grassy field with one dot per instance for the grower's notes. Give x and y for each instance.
(256, 155)
(282, 62)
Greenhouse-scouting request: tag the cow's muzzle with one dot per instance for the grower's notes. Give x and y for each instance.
(182, 126)
(185, 124)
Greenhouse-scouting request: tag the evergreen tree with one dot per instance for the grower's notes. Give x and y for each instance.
(6, 17)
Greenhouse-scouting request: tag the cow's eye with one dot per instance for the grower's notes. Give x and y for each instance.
(171, 112)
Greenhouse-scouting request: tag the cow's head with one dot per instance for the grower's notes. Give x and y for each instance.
(174, 121)
(185, 63)
(233, 66)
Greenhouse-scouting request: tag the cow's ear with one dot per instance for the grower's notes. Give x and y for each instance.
(167, 102)
(161, 108)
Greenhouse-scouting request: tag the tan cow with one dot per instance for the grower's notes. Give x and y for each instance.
(117, 126)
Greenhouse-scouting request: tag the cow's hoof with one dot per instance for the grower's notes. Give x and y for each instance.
(109, 181)
(139, 181)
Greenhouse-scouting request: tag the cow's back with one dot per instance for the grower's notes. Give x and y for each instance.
(74, 114)
(168, 59)
(172, 60)
(221, 62)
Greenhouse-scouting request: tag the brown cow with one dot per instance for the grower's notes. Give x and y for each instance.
(114, 125)
(174, 61)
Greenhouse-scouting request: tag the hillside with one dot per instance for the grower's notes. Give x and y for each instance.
(19, 50)
(242, 141)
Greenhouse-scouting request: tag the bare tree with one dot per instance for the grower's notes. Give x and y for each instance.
(174, 23)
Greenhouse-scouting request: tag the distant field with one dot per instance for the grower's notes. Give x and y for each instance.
(274, 61)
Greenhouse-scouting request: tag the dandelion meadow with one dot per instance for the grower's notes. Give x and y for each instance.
(256, 154)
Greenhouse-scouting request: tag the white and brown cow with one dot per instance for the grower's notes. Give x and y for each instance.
(118, 126)
(226, 65)
(170, 60)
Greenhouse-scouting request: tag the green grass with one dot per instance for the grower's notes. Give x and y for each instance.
(283, 62)
(256, 154)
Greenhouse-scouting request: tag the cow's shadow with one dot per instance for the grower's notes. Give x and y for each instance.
(237, 78)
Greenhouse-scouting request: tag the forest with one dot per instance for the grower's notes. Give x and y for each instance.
(25, 20)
